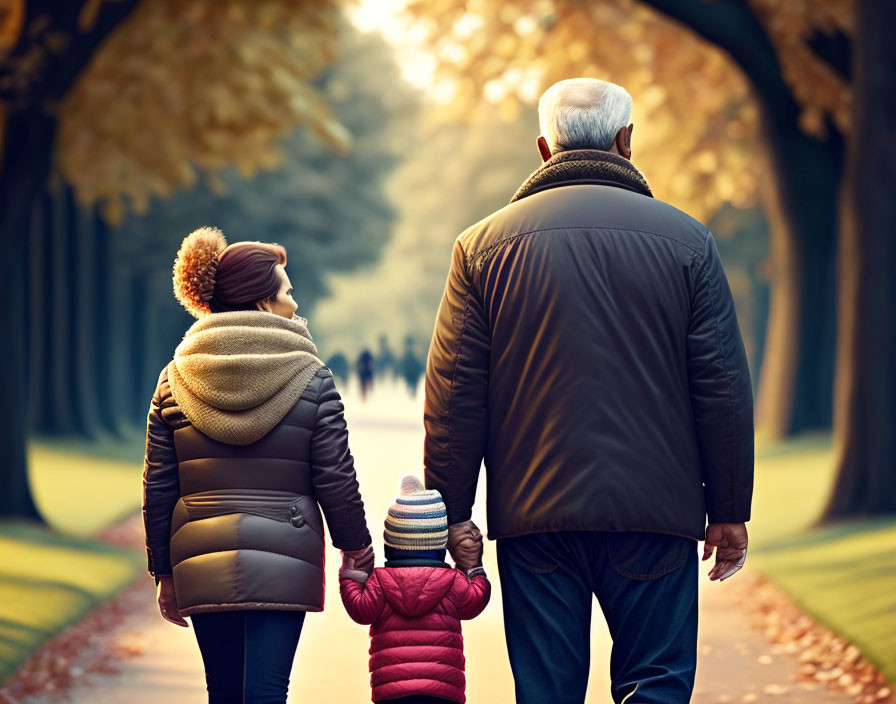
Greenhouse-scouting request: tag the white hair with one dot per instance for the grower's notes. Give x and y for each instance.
(583, 113)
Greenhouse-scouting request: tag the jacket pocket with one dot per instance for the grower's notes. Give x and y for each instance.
(641, 555)
(304, 512)
(295, 515)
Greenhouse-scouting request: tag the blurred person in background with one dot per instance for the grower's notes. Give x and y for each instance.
(586, 347)
(385, 360)
(338, 364)
(365, 367)
(411, 366)
(246, 442)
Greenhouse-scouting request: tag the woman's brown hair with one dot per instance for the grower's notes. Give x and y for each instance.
(211, 276)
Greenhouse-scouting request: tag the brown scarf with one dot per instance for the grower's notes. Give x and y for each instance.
(236, 374)
(584, 166)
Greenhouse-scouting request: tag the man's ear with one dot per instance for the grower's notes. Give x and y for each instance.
(543, 148)
(624, 141)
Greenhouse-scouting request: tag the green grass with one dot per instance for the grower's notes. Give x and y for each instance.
(843, 575)
(51, 575)
(48, 581)
(790, 488)
(81, 487)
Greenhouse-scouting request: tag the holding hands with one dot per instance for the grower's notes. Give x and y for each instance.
(357, 564)
(465, 545)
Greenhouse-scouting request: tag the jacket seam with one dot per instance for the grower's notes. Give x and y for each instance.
(728, 380)
(492, 247)
(271, 552)
(156, 405)
(254, 605)
(590, 527)
(460, 337)
(450, 598)
(352, 528)
(320, 391)
(454, 376)
(161, 399)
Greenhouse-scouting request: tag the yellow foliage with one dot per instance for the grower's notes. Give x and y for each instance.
(12, 15)
(815, 85)
(695, 119)
(181, 88)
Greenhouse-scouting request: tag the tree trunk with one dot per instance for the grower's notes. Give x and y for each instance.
(139, 340)
(63, 308)
(28, 137)
(15, 493)
(25, 163)
(111, 345)
(796, 384)
(864, 441)
(800, 198)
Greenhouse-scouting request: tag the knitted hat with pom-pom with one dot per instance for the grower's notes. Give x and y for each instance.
(418, 519)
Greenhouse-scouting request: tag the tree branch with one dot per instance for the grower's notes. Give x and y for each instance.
(733, 27)
(835, 50)
(38, 67)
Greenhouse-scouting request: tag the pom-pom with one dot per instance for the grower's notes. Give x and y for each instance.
(195, 267)
(410, 484)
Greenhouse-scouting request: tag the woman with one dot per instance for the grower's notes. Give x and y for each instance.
(245, 437)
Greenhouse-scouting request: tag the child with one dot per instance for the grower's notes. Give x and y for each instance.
(415, 604)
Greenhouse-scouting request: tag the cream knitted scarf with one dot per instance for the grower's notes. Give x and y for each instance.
(236, 374)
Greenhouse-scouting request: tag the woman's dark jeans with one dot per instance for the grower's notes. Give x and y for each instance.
(646, 585)
(248, 654)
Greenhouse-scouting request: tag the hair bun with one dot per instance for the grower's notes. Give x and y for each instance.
(195, 267)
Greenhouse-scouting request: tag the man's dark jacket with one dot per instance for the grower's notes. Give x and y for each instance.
(587, 348)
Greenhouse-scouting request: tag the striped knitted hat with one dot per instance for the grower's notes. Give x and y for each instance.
(418, 519)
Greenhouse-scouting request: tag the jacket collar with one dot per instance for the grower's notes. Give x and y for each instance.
(580, 166)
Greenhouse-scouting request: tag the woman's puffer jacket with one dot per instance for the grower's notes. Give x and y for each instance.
(239, 526)
(416, 646)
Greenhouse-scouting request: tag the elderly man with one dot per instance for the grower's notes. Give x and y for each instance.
(586, 347)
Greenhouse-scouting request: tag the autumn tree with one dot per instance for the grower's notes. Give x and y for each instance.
(43, 48)
(99, 91)
(864, 441)
(737, 75)
(329, 210)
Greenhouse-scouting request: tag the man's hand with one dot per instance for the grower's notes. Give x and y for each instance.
(465, 544)
(730, 541)
(168, 601)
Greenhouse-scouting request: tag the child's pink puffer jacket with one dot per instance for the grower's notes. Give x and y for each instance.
(416, 646)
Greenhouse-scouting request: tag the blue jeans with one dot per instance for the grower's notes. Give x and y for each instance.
(646, 585)
(248, 654)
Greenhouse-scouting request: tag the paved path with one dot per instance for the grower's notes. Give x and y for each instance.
(736, 663)
(162, 662)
